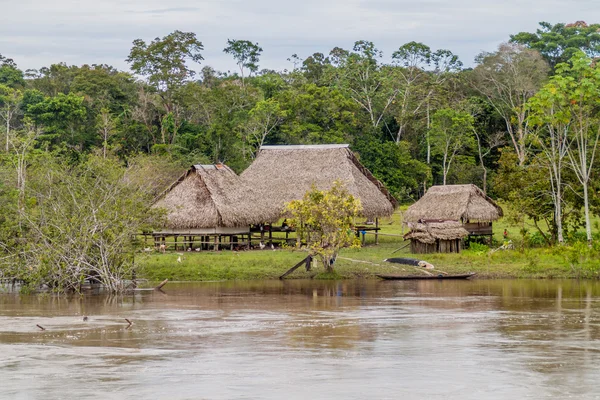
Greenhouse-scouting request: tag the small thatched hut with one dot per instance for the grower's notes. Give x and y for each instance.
(466, 204)
(436, 237)
(285, 173)
(210, 200)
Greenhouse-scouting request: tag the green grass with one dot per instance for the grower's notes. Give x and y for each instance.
(556, 262)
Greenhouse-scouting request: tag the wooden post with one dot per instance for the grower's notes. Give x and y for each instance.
(249, 238)
(376, 230)
(216, 247)
(175, 243)
(271, 235)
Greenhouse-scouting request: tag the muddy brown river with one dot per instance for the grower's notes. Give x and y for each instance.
(476, 339)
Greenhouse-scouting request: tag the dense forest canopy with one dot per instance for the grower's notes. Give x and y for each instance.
(523, 124)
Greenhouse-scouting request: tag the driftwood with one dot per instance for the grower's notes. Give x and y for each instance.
(306, 261)
(163, 283)
(129, 322)
(158, 288)
(41, 327)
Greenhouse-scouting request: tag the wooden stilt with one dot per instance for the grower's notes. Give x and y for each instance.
(376, 230)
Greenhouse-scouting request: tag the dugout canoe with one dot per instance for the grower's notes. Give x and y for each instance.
(423, 277)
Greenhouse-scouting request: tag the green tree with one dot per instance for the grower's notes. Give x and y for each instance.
(62, 118)
(106, 125)
(508, 78)
(579, 84)
(525, 191)
(10, 75)
(393, 164)
(420, 74)
(79, 224)
(315, 115)
(245, 53)
(325, 220)
(360, 76)
(451, 134)
(314, 68)
(265, 117)
(10, 105)
(550, 114)
(164, 63)
(559, 42)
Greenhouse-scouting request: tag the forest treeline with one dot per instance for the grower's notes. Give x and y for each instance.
(523, 124)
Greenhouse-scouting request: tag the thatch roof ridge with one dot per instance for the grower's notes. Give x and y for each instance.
(454, 202)
(304, 146)
(285, 173)
(208, 196)
(193, 168)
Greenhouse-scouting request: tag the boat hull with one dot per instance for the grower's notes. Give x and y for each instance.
(424, 277)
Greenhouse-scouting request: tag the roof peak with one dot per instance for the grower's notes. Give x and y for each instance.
(305, 146)
(210, 166)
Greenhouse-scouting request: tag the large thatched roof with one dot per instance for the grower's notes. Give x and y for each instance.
(430, 231)
(285, 173)
(454, 203)
(208, 196)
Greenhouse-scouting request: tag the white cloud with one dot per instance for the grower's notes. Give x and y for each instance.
(39, 32)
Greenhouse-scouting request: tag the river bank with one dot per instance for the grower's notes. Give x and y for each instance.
(566, 262)
(550, 263)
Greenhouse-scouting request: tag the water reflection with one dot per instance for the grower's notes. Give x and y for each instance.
(349, 339)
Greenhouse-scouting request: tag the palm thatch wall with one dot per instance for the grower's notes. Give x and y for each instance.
(209, 196)
(285, 173)
(436, 237)
(454, 203)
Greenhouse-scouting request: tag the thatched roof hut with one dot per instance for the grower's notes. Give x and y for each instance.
(285, 173)
(209, 196)
(454, 203)
(436, 237)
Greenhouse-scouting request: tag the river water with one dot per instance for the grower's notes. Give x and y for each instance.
(307, 339)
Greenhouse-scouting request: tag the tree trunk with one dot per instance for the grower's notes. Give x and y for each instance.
(444, 170)
(521, 145)
(427, 137)
(7, 130)
(588, 224)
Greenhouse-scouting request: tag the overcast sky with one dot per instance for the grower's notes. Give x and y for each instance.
(37, 33)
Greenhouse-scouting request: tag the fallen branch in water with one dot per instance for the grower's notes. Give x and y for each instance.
(163, 283)
(41, 327)
(158, 288)
(129, 322)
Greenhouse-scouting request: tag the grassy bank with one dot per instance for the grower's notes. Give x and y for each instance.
(556, 262)
(365, 262)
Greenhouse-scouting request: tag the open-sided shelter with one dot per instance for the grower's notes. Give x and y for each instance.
(210, 201)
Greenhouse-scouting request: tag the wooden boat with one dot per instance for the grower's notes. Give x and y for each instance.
(421, 277)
